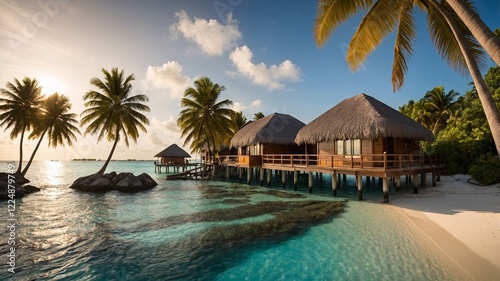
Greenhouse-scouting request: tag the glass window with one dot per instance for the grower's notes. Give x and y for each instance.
(356, 147)
(347, 147)
(340, 147)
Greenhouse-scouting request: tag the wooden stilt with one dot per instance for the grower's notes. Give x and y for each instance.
(385, 188)
(283, 178)
(433, 178)
(415, 183)
(310, 182)
(423, 180)
(240, 174)
(338, 178)
(261, 176)
(269, 172)
(344, 178)
(359, 184)
(438, 177)
(227, 172)
(368, 181)
(321, 177)
(398, 182)
(249, 175)
(334, 184)
(295, 179)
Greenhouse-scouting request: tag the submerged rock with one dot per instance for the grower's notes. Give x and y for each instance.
(125, 182)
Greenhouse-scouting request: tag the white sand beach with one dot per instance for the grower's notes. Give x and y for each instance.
(462, 219)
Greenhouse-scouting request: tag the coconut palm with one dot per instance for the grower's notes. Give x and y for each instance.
(238, 121)
(484, 35)
(56, 122)
(20, 106)
(205, 119)
(112, 113)
(440, 105)
(450, 36)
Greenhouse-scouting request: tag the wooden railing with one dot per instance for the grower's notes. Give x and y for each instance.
(365, 161)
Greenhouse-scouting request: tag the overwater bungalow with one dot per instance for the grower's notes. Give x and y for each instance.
(362, 136)
(172, 156)
(271, 135)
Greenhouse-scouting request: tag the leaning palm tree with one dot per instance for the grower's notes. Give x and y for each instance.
(205, 120)
(112, 113)
(19, 106)
(484, 35)
(56, 122)
(441, 105)
(450, 36)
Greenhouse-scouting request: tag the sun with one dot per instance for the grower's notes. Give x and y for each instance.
(50, 85)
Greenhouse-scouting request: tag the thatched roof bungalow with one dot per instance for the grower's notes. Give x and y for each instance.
(363, 125)
(273, 134)
(173, 155)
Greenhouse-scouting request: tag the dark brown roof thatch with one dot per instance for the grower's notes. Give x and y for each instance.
(273, 129)
(361, 117)
(173, 151)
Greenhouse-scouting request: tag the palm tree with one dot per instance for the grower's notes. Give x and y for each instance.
(449, 34)
(258, 116)
(20, 107)
(205, 120)
(112, 113)
(56, 122)
(485, 36)
(238, 121)
(440, 105)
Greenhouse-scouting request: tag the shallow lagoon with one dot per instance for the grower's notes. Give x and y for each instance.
(175, 231)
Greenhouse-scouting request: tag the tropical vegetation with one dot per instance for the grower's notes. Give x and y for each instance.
(20, 107)
(449, 29)
(465, 138)
(112, 112)
(205, 121)
(56, 122)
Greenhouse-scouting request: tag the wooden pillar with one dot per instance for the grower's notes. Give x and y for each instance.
(338, 178)
(269, 172)
(310, 182)
(433, 178)
(398, 182)
(283, 178)
(344, 178)
(321, 177)
(227, 171)
(249, 175)
(423, 179)
(385, 188)
(359, 184)
(438, 177)
(261, 176)
(240, 174)
(295, 179)
(415, 183)
(368, 181)
(334, 184)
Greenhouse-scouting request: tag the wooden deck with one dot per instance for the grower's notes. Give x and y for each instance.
(384, 166)
(176, 167)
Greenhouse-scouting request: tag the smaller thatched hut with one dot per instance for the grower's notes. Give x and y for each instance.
(172, 155)
(362, 125)
(273, 134)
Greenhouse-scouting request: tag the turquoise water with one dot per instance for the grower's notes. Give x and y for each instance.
(171, 233)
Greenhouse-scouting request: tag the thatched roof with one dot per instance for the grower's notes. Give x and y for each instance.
(173, 151)
(361, 117)
(276, 128)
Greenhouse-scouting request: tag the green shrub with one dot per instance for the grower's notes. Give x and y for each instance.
(486, 170)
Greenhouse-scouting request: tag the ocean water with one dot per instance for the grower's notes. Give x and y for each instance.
(207, 230)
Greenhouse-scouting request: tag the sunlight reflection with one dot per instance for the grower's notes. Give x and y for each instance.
(54, 172)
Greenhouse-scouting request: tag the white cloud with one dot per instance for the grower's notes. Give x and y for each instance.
(168, 126)
(256, 103)
(167, 77)
(154, 139)
(237, 106)
(261, 74)
(212, 37)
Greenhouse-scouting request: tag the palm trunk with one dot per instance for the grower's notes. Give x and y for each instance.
(483, 34)
(33, 154)
(103, 169)
(20, 166)
(489, 106)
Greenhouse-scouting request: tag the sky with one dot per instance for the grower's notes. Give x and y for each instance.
(262, 52)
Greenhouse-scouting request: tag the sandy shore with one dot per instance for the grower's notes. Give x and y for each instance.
(462, 219)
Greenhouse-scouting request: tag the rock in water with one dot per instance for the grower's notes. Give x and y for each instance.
(125, 182)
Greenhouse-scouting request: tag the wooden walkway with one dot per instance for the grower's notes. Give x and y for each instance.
(176, 167)
(384, 166)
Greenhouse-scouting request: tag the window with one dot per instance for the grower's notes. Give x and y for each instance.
(340, 147)
(356, 147)
(348, 147)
